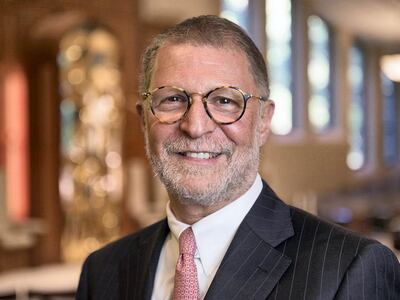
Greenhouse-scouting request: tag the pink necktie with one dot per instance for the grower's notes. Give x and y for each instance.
(186, 284)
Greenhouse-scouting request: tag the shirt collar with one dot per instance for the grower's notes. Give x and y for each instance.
(215, 232)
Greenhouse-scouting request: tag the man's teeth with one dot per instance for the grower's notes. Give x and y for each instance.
(200, 155)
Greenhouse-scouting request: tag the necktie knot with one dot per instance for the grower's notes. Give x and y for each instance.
(187, 242)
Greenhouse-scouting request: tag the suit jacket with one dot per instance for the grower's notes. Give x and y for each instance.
(278, 252)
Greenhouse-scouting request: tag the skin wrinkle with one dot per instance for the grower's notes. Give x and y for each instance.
(226, 44)
(172, 174)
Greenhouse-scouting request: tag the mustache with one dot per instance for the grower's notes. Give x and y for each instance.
(202, 144)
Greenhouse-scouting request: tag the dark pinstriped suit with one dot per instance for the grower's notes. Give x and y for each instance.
(279, 252)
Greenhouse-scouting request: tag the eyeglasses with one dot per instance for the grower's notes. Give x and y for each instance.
(225, 105)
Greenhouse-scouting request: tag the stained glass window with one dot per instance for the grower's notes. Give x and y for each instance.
(390, 123)
(357, 125)
(236, 11)
(320, 106)
(279, 37)
(279, 57)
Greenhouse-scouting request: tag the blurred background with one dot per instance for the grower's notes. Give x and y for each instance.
(73, 173)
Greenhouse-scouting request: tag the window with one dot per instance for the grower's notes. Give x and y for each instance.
(279, 53)
(390, 117)
(319, 106)
(279, 57)
(236, 11)
(356, 118)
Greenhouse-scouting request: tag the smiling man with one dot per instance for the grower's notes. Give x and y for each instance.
(205, 115)
(204, 164)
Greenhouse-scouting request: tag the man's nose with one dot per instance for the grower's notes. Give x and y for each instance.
(196, 122)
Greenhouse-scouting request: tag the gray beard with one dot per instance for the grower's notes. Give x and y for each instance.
(231, 182)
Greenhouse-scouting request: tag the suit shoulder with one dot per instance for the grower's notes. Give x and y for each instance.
(324, 255)
(331, 235)
(101, 269)
(119, 248)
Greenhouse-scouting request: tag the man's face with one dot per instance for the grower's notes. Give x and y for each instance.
(199, 161)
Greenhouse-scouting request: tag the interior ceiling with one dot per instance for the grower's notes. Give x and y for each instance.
(375, 20)
(372, 20)
(172, 11)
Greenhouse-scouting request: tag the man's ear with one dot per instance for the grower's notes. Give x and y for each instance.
(267, 112)
(140, 112)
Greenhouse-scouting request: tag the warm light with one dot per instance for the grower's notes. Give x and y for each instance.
(113, 160)
(90, 182)
(16, 126)
(390, 65)
(76, 76)
(73, 53)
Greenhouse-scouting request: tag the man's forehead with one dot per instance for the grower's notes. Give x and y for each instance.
(169, 57)
(181, 52)
(178, 54)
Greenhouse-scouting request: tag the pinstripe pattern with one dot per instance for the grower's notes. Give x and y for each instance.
(278, 252)
(340, 258)
(310, 259)
(322, 280)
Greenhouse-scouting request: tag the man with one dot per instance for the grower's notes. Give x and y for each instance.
(227, 235)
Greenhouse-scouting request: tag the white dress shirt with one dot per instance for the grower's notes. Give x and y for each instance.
(213, 235)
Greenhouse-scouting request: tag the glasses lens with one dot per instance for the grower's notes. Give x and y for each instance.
(169, 104)
(225, 104)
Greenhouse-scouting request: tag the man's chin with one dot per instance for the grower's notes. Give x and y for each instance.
(196, 176)
(194, 185)
(194, 190)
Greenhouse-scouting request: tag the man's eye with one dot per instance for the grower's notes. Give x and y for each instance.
(174, 99)
(224, 101)
(169, 103)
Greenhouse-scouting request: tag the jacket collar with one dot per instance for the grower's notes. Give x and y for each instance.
(270, 218)
(138, 270)
(252, 265)
(250, 269)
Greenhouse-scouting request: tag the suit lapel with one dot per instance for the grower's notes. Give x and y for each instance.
(252, 266)
(138, 271)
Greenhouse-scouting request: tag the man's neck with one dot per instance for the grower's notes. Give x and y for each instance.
(190, 214)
